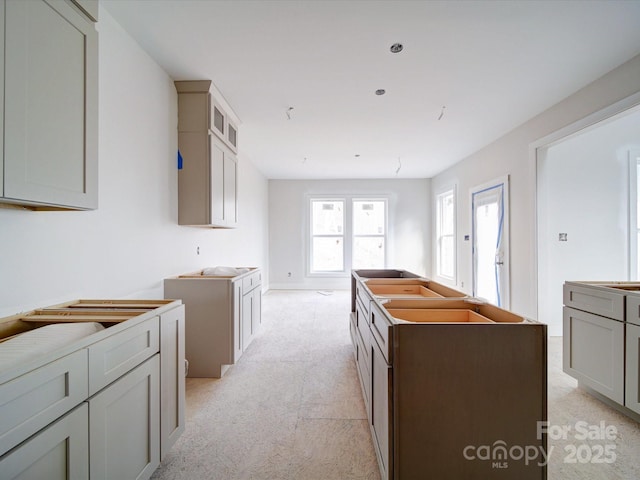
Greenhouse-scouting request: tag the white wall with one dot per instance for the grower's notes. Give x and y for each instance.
(409, 226)
(127, 246)
(583, 191)
(510, 155)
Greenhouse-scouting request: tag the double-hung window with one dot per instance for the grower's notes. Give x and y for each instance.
(346, 233)
(445, 234)
(327, 235)
(369, 233)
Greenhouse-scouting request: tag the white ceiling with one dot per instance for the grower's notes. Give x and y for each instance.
(492, 64)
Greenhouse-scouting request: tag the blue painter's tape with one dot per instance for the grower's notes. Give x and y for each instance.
(179, 160)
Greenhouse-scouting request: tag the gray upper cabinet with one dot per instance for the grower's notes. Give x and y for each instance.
(208, 172)
(50, 104)
(88, 8)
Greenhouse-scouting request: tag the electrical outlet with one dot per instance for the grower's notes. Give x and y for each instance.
(197, 250)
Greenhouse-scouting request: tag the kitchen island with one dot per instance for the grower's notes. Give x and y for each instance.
(454, 387)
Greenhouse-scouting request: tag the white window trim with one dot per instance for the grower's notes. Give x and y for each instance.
(348, 231)
(453, 281)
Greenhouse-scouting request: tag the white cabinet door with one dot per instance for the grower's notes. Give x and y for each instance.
(594, 352)
(172, 373)
(51, 105)
(632, 387)
(58, 452)
(124, 426)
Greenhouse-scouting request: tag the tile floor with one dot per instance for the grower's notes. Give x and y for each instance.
(291, 408)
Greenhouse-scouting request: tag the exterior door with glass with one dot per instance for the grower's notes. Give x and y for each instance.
(490, 241)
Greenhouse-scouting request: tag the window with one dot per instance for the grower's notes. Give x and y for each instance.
(445, 234)
(369, 233)
(634, 214)
(327, 235)
(347, 233)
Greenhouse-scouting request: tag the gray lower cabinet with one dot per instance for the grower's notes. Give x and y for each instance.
(123, 426)
(104, 406)
(632, 390)
(251, 313)
(222, 316)
(594, 352)
(58, 452)
(172, 378)
(50, 154)
(601, 341)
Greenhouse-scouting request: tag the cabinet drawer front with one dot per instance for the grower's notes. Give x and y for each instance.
(381, 331)
(593, 352)
(594, 300)
(364, 298)
(251, 282)
(632, 386)
(114, 356)
(633, 309)
(58, 452)
(34, 400)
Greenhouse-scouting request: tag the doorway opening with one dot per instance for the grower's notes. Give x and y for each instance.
(585, 205)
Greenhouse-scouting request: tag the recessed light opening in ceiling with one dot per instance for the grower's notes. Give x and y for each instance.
(381, 91)
(396, 48)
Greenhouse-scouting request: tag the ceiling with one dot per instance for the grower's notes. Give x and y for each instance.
(470, 71)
